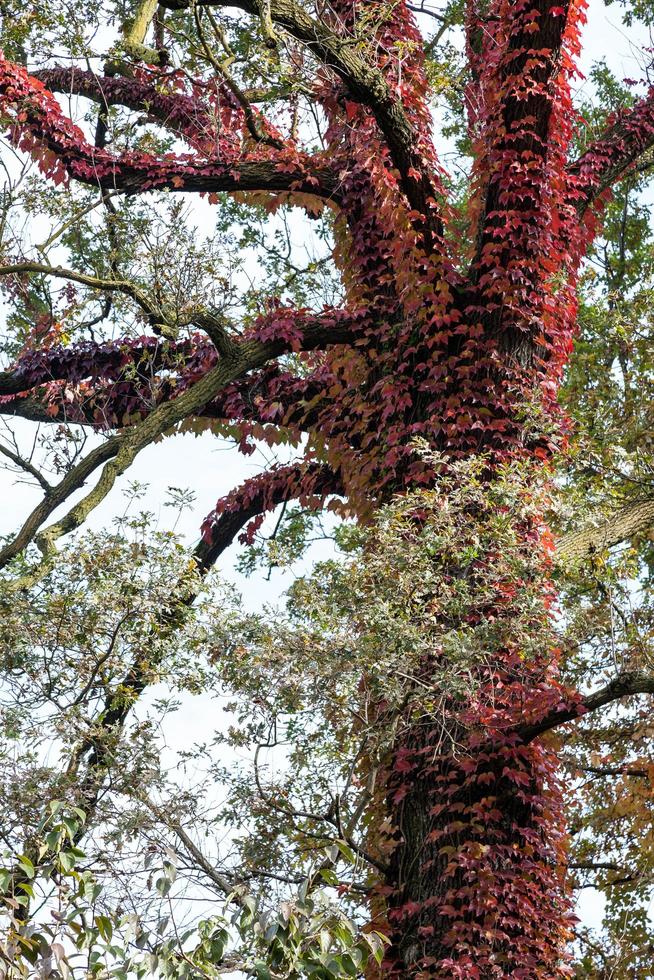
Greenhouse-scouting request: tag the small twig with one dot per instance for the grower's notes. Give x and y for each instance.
(93, 282)
(27, 466)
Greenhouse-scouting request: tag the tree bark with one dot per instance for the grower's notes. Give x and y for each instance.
(476, 880)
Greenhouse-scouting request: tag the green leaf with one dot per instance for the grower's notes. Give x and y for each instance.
(67, 860)
(377, 942)
(71, 826)
(346, 851)
(26, 865)
(170, 871)
(105, 928)
(163, 886)
(348, 964)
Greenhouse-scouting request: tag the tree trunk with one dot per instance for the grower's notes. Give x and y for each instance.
(472, 812)
(476, 879)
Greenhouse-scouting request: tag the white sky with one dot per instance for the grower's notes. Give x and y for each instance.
(211, 470)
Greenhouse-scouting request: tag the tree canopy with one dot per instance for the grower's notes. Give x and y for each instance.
(398, 244)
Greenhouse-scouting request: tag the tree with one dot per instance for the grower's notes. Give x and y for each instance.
(438, 360)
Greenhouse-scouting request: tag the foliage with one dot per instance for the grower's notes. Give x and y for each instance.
(309, 937)
(408, 357)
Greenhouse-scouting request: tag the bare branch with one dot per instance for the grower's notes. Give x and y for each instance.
(55, 496)
(615, 771)
(25, 465)
(227, 886)
(253, 122)
(627, 876)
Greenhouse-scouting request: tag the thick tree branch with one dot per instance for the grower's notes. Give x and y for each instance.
(271, 336)
(274, 396)
(135, 29)
(187, 116)
(319, 181)
(183, 115)
(636, 518)
(612, 156)
(514, 143)
(61, 148)
(89, 360)
(255, 498)
(119, 452)
(365, 82)
(278, 398)
(30, 408)
(624, 685)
